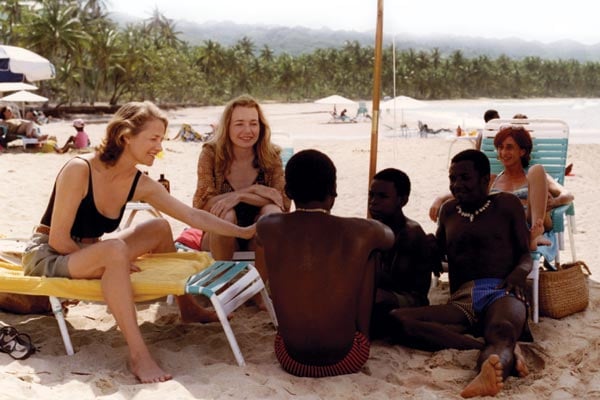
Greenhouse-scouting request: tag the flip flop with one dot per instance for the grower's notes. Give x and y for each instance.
(15, 344)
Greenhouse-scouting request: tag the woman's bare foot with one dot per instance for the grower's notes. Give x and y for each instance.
(488, 382)
(191, 311)
(146, 370)
(520, 365)
(259, 302)
(536, 237)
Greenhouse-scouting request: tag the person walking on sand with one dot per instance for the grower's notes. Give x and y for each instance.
(486, 243)
(88, 200)
(321, 270)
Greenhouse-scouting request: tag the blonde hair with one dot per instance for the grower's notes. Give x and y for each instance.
(266, 154)
(128, 121)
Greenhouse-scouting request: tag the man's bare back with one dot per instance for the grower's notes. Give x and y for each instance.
(321, 273)
(321, 277)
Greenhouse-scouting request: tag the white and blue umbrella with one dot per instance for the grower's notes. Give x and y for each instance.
(18, 64)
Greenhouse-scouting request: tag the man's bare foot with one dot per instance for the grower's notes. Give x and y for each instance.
(488, 382)
(536, 237)
(191, 311)
(520, 365)
(146, 370)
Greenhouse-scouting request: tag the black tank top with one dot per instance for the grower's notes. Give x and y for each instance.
(89, 223)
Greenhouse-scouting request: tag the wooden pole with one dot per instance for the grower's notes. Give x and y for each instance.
(376, 91)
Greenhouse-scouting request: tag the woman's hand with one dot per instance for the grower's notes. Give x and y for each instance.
(223, 206)
(248, 232)
(269, 193)
(134, 268)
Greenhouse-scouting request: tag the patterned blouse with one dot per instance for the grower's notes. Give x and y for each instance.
(210, 184)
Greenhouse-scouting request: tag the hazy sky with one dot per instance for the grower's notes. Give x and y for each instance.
(545, 21)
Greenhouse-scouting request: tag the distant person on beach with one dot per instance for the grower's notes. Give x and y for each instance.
(68, 242)
(485, 240)
(488, 115)
(16, 126)
(240, 177)
(321, 275)
(403, 276)
(79, 141)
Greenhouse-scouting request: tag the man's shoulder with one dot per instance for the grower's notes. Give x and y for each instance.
(505, 199)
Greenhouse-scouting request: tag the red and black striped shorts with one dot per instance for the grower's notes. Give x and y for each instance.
(350, 364)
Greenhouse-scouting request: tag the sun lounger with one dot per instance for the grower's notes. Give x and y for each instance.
(228, 284)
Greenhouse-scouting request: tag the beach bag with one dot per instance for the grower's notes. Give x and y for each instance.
(564, 291)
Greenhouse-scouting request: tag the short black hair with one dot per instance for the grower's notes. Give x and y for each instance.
(310, 176)
(480, 160)
(398, 178)
(490, 115)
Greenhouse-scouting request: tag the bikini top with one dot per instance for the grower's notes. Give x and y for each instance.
(89, 223)
(521, 192)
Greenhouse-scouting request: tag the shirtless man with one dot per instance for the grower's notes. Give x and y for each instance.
(403, 276)
(486, 242)
(321, 273)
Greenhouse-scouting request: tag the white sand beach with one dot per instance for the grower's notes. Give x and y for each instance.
(564, 360)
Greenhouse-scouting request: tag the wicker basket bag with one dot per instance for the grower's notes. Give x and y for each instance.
(565, 291)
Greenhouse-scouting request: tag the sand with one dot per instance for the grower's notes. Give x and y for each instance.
(564, 361)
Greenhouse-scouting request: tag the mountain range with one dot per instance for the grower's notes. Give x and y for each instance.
(296, 40)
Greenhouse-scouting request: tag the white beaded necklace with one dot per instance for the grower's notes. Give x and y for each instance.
(472, 216)
(321, 210)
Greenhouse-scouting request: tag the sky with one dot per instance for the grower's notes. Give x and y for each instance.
(533, 20)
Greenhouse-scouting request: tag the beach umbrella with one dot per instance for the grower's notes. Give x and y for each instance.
(402, 103)
(18, 64)
(23, 97)
(335, 100)
(14, 86)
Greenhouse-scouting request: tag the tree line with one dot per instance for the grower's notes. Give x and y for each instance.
(98, 61)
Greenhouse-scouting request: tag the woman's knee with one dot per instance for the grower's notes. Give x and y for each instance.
(116, 250)
(231, 216)
(536, 172)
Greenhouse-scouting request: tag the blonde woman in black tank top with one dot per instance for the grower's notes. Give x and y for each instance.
(88, 201)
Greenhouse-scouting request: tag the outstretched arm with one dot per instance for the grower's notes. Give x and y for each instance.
(157, 196)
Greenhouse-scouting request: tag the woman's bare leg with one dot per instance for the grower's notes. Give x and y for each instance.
(223, 247)
(537, 202)
(109, 260)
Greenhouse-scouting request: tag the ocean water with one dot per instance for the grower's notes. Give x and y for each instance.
(581, 114)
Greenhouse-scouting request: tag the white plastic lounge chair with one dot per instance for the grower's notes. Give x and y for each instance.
(228, 285)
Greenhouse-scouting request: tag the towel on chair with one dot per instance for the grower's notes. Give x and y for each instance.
(160, 275)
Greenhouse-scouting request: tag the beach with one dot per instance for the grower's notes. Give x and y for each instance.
(564, 360)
